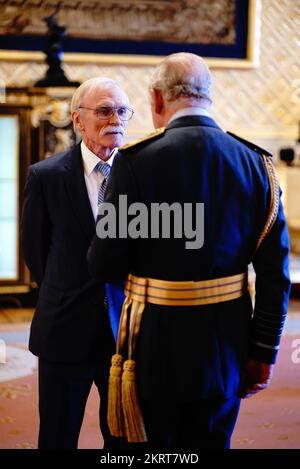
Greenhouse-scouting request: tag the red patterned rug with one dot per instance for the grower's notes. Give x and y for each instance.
(269, 420)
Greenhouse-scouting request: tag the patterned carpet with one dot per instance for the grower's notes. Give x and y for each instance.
(270, 420)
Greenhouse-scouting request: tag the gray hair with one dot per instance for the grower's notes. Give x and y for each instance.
(88, 86)
(182, 75)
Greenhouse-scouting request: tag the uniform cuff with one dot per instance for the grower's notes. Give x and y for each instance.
(264, 353)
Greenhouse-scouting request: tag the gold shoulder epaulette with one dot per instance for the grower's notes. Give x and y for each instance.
(153, 134)
(251, 145)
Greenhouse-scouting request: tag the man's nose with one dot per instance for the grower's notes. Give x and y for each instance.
(115, 118)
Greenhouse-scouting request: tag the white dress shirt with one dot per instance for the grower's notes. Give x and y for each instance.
(92, 177)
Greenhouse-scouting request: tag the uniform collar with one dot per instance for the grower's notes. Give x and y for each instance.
(191, 121)
(190, 111)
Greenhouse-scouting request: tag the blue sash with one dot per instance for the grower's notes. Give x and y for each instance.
(115, 297)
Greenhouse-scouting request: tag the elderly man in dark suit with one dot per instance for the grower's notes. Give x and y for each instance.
(196, 343)
(70, 331)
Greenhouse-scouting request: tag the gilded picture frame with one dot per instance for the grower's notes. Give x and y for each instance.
(249, 60)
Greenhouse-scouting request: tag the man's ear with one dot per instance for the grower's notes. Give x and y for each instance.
(158, 101)
(77, 121)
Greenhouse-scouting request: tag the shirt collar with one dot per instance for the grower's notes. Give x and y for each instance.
(90, 160)
(190, 111)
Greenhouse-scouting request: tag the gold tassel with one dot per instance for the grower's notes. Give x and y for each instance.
(114, 412)
(133, 419)
(114, 409)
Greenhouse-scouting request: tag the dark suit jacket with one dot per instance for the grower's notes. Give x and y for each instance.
(57, 228)
(195, 352)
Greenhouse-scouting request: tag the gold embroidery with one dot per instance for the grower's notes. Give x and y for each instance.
(153, 134)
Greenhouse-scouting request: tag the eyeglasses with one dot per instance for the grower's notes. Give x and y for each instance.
(106, 112)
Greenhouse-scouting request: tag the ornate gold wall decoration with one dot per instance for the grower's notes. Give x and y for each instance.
(57, 111)
(260, 103)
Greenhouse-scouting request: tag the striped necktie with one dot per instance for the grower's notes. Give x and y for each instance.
(104, 169)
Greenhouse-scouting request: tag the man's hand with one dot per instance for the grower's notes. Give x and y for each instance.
(257, 376)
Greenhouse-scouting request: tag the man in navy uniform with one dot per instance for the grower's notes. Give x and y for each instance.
(200, 346)
(70, 331)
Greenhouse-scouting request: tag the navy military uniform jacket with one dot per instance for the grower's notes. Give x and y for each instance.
(188, 353)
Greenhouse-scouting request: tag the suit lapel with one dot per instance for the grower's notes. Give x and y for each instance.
(77, 192)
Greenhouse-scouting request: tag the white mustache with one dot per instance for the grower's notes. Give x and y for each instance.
(112, 129)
